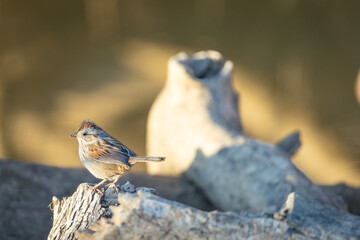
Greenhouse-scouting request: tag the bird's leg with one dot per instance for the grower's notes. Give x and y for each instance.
(97, 186)
(114, 183)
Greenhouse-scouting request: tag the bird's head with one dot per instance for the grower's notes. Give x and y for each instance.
(88, 131)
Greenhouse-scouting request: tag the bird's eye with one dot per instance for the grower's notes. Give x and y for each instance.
(85, 134)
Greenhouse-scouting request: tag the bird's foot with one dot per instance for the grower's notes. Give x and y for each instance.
(96, 188)
(113, 184)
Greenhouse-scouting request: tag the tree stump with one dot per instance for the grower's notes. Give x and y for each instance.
(195, 123)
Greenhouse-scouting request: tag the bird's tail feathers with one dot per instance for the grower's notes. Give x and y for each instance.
(134, 160)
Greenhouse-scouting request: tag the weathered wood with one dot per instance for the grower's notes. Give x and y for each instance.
(318, 221)
(262, 175)
(195, 123)
(75, 213)
(138, 213)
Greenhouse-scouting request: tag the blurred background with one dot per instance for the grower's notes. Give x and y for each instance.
(296, 64)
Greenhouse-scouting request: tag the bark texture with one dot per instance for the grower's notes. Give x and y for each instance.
(136, 213)
(75, 213)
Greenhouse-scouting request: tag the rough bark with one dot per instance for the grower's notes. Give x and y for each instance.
(75, 213)
(195, 123)
(138, 213)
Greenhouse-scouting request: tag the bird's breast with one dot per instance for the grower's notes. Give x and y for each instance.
(100, 169)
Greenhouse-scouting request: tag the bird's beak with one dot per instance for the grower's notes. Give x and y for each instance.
(73, 135)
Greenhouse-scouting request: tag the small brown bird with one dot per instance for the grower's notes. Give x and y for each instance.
(104, 156)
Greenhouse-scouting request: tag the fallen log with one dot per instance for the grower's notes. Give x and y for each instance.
(138, 213)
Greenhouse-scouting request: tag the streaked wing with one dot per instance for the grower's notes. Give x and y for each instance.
(121, 147)
(108, 155)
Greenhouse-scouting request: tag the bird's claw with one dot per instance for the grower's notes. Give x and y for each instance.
(96, 189)
(114, 185)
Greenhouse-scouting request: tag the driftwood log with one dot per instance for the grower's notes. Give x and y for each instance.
(136, 213)
(195, 123)
(26, 191)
